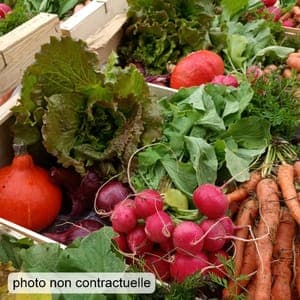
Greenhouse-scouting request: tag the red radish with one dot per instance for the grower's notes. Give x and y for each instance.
(159, 227)
(215, 235)
(187, 238)
(121, 242)
(253, 73)
(4, 10)
(157, 263)
(127, 202)
(110, 194)
(290, 22)
(228, 225)
(148, 202)
(185, 265)
(217, 259)
(228, 80)
(210, 200)
(123, 218)
(275, 12)
(167, 245)
(268, 3)
(137, 240)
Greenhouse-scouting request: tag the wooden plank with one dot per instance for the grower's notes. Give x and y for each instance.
(107, 39)
(18, 47)
(92, 17)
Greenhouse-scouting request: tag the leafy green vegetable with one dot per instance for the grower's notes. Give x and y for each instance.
(276, 100)
(82, 115)
(90, 254)
(203, 132)
(159, 32)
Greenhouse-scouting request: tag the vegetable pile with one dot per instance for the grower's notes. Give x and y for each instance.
(266, 259)
(199, 187)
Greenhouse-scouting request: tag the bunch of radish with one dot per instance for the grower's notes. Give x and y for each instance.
(174, 251)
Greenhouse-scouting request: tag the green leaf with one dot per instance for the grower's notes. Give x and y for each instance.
(231, 8)
(10, 248)
(182, 175)
(203, 159)
(92, 254)
(41, 258)
(251, 133)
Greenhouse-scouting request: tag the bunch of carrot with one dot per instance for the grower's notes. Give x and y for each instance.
(267, 244)
(292, 17)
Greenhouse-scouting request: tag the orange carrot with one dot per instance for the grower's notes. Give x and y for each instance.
(297, 170)
(283, 256)
(245, 189)
(245, 217)
(267, 193)
(249, 263)
(297, 267)
(285, 177)
(251, 287)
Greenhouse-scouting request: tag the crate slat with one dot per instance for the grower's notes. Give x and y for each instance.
(18, 47)
(92, 17)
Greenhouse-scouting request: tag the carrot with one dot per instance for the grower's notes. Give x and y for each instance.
(249, 264)
(297, 170)
(245, 189)
(251, 289)
(267, 193)
(297, 267)
(285, 177)
(283, 255)
(245, 217)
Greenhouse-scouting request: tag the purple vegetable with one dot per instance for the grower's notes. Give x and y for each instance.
(110, 194)
(78, 229)
(163, 80)
(228, 80)
(80, 191)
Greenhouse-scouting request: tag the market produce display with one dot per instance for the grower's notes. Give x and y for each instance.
(200, 187)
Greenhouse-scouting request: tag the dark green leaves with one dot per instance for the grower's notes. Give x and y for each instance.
(81, 115)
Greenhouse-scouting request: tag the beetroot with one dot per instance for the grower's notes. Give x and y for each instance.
(187, 238)
(110, 194)
(215, 235)
(78, 229)
(184, 265)
(159, 227)
(157, 263)
(148, 202)
(210, 200)
(137, 241)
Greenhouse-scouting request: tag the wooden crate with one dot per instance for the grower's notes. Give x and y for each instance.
(92, 18)
(18, 47)
(292, 32)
